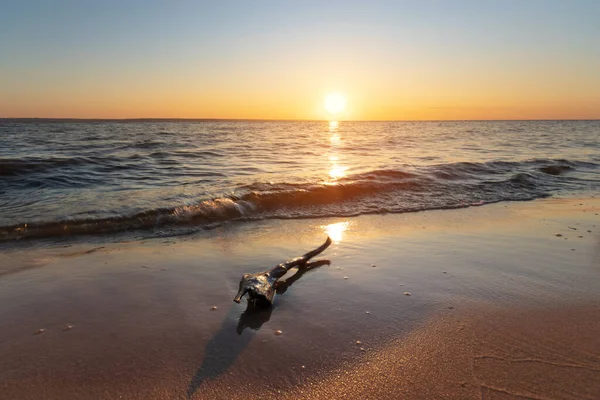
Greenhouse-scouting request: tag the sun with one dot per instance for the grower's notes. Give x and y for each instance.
(335, 103)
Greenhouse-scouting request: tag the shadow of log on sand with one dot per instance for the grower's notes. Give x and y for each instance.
(224, 348)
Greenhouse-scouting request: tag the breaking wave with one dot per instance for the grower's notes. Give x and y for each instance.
(442, 186)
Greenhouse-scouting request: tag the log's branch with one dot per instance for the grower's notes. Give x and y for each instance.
(261, 287)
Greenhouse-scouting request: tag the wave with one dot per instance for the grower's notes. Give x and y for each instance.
(379, 191)
(14, 167)
(555, 169)
(25, 166)
(11, 168)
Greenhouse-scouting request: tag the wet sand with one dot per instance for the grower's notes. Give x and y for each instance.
(504, 303)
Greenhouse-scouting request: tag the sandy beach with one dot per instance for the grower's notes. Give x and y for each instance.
(496, 302)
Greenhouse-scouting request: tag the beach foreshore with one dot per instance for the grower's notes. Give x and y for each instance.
(497, 302)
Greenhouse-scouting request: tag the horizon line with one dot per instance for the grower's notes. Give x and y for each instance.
(159, 119)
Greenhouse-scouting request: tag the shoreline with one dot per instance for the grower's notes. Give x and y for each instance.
(142, 325)
(93, 240)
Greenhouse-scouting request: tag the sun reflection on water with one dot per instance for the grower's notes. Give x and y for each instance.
(336, 231)
(336, 171)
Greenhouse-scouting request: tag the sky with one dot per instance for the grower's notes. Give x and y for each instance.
(390, 60)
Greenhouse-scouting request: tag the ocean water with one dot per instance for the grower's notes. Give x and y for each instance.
(68, 178)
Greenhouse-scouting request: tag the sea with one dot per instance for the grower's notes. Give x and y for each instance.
(104, 178)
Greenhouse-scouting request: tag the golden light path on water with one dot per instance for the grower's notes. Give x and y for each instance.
(336, 171)
(336, 231)
(335, 139)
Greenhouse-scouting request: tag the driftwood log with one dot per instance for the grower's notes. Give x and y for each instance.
(255, 317)
(262, 286)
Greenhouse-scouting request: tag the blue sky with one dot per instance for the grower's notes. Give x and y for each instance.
(55, 50)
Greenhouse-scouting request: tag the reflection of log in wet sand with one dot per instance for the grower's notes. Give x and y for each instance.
(500, 308)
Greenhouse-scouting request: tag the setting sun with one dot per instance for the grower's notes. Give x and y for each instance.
(335, 103)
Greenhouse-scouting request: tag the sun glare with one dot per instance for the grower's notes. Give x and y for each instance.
(337, 172)
(335, 103)
(336, 231)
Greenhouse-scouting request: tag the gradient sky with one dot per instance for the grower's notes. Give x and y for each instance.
(392, 60)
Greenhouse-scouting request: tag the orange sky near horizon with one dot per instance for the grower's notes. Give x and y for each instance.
(300, 104)
(372, 93)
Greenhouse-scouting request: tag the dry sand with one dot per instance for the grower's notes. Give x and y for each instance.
(500, 307)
